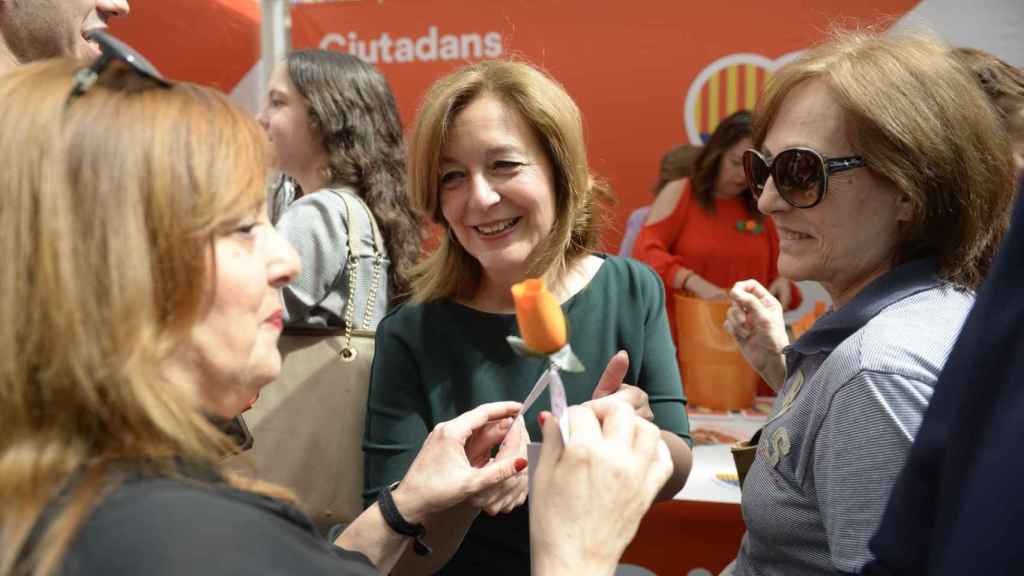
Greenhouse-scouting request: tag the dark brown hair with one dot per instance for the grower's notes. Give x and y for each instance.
(729, 131)
(352, 109)
(676, 164)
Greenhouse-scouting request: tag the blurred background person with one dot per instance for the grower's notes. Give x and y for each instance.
(497, 158)
(676, 164)
(957, 504)
(1004, 85)
(900, 251)
(705, 233)
(37, 29)
(335, 130)
(336, 134)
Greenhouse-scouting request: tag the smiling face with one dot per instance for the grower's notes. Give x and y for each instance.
(286, 120)
(497, 188)
(849, 238)
(38, 29)
(732, 180)
(233, 348)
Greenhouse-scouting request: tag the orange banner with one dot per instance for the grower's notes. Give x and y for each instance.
(646, 75)
(211, 42)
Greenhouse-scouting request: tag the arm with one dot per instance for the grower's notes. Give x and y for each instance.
(316, 229)
(860, 448)
(664, 224)
(659, 377)
(398, 421)
(441, 480)
(658, 393)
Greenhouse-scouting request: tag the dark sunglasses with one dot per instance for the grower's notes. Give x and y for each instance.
(800, 174)
(112, 50)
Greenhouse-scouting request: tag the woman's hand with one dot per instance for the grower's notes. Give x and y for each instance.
(504, 497)
(453, 463)
(590, 494)
(693, 283)
(782, 290)
(611, 388)
(755, 321)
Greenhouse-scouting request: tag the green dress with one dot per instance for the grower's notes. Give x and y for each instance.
(436, 360)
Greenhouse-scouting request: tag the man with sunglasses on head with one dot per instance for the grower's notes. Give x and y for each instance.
(889, 178)
(39, 29)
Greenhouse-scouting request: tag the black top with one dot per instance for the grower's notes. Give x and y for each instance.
(956, 506)
(158, 526)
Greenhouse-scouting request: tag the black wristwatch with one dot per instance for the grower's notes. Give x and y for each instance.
(399, 524)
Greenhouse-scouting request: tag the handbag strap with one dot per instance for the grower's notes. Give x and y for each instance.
(355, 252)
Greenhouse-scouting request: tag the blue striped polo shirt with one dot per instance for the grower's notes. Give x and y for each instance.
(857, 386)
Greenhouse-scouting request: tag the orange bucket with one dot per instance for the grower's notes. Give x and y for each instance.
(715, 374)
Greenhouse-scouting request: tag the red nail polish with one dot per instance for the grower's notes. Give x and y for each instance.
(520, 464)
(541, 417)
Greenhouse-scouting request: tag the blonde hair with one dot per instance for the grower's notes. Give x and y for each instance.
(919, 120)
(112, 201)
(451, 272)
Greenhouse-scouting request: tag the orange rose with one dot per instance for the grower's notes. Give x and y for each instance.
(539, 316)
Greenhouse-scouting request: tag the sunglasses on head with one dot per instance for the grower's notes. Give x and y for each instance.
(112, 50)
(800, 174)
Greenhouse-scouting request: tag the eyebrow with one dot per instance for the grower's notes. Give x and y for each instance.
(497, 150)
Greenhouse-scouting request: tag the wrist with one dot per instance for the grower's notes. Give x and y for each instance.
(550, 563)
(682, 277)
(408, 505)
(399, 524)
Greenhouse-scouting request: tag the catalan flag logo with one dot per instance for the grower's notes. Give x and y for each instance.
(729, 84)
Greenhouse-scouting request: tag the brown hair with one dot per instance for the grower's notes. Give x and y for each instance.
(112, 201)
(449, 271)
(352, 109)
(729, 131)
(676, 164)
(902, 96)
(1003, 83)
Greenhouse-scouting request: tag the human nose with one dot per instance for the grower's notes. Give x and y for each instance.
(770, 201)
(112, 8)
(482, 194)
(261, 117)
(283, 262)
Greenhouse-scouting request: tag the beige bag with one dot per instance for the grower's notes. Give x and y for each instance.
(308, 424)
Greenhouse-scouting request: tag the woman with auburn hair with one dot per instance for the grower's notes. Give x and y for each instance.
(897, 216)
(704, 232)
(143, 304)
(497, 158)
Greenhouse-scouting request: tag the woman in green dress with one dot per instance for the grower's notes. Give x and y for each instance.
(497, 159)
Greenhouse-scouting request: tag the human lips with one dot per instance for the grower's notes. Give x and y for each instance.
(496, 227)
(791, 235)
(276, 319)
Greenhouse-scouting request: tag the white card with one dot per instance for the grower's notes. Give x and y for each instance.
(559, 405)
(539, 387)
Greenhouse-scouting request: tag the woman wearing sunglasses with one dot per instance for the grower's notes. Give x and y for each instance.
(142, 305)
(889, 178)
(704, 233)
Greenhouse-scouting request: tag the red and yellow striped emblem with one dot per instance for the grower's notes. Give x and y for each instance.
(727, 85)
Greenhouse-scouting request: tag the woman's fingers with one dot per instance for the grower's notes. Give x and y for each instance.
(465, 424)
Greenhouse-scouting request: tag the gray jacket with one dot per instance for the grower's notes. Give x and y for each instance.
(316, 227)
